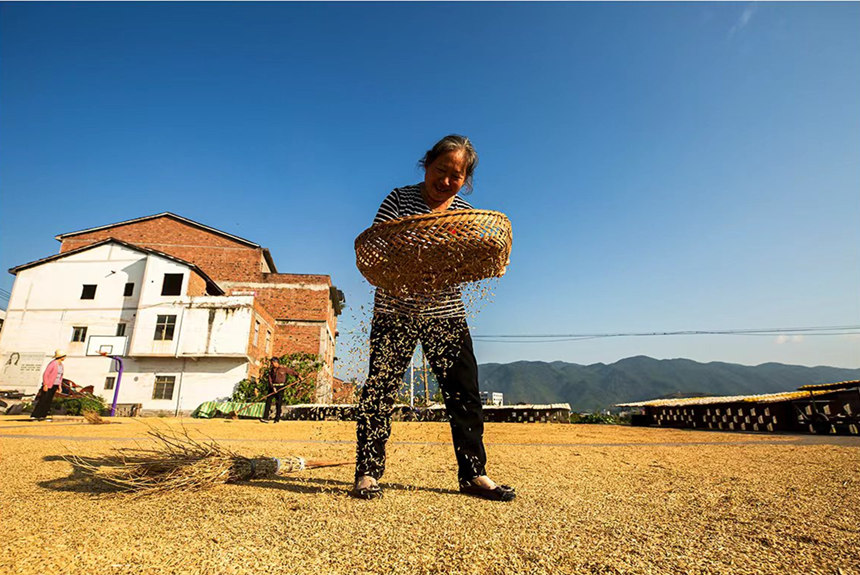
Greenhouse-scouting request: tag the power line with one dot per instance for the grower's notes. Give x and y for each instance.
(553, 338)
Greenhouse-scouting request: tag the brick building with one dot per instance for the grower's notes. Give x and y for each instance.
(302, 309)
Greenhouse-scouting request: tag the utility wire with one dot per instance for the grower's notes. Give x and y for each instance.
(551, 338)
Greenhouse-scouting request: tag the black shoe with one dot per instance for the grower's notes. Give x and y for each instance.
(500, 493)
(372, 492)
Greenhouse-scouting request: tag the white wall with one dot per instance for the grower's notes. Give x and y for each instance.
(46, 304)
(205, 325)
(196, 381)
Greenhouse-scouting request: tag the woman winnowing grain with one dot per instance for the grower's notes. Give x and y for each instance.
(438, 320)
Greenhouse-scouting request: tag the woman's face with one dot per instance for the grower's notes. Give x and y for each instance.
(445, 176)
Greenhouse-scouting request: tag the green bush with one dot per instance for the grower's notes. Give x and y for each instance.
(306, 364)
(249, 390)
(78, 405)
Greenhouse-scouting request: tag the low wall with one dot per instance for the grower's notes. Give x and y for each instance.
(547, 413)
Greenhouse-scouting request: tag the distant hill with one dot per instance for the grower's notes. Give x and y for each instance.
(598, 386)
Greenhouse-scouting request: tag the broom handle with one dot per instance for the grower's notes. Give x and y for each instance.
(315, 463)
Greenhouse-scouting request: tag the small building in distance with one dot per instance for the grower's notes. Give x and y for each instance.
(199, 309)
(492, 398)
(827, 408)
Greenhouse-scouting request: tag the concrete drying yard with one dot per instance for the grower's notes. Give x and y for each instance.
(592, 499)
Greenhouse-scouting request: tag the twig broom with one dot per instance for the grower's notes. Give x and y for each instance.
(180, 462)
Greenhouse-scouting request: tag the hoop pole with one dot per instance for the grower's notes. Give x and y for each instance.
(116, 388)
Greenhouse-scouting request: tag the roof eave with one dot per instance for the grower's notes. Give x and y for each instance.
(271, 262)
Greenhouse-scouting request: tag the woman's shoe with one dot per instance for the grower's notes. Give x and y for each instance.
(499, 493)
(373, 491)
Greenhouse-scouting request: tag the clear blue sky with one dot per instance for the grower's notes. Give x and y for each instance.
(665, 166)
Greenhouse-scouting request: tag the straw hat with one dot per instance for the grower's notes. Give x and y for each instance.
(58, 353)
(429, 252)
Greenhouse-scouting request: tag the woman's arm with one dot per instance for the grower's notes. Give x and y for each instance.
(49, 376)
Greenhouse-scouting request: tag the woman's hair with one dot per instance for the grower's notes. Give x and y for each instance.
(451, 143)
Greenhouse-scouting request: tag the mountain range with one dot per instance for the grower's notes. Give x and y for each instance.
(600, 386)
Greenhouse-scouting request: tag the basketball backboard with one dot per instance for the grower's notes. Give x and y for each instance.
(107, 345)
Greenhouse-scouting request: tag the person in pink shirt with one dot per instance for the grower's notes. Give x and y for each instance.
(52, 379)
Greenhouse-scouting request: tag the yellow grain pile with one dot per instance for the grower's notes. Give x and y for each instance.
(591, 499)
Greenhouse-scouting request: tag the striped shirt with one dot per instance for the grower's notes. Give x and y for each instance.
(408, 201)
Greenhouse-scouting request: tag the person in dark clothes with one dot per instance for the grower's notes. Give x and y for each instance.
(52, 379)
(278, 375)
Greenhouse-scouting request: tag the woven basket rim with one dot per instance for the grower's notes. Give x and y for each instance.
(435, 215)
(381, 249)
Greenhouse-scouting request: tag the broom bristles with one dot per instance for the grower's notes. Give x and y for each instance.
(182, 462)
(93, 417)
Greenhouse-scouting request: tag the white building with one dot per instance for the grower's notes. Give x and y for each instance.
(184, 341)
(492, 398)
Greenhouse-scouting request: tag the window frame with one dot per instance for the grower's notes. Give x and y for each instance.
(121, 327)
(163, 326)
(128, 291)
(163, 383)
(82, 332)
(110, 383)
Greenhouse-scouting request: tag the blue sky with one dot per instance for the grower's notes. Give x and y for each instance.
(665, 166)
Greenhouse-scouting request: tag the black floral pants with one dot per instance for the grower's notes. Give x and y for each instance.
(448, 347)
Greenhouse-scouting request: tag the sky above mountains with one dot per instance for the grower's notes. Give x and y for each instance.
(666, 166)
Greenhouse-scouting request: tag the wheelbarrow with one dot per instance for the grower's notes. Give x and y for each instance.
(70, 390)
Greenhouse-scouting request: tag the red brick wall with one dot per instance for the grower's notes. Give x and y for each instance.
(296, 304)
(297, 338)
(342, 391)
(219, 257)
(196, 285)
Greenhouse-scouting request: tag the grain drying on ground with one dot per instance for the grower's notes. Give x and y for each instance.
(592, 499)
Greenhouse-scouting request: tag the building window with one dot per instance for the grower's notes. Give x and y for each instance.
(268, 342)
(79, 333)
(89, 291)
(120, 329)
(164, 326)
(256, 332)
(172, 284)
(129, 289)
(163, 387)
(110, 381)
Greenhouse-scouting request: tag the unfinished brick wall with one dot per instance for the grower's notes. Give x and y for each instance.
(302, 308)
(196, 285)
(291, 338)
(220, 257)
